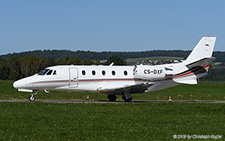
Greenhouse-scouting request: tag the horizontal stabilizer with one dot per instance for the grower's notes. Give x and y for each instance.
(202, 62)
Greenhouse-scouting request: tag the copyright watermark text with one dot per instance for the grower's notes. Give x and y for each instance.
(197, 136)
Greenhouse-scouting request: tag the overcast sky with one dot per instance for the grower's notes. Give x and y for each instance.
(104, 25)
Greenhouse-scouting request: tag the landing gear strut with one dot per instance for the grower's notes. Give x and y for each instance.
(32, 96)
(112, 97)
(126, 96)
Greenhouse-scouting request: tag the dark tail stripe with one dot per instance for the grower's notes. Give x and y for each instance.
(190, 71)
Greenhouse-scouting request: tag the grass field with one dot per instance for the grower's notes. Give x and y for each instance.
(121, 121)
(202, 91)
(126, 121)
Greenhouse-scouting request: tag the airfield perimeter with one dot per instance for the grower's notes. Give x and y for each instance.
(106, 101)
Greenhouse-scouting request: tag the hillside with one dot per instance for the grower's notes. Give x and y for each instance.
(54, 54)
(101, 55)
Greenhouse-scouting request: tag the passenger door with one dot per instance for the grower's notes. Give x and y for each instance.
(73, 77)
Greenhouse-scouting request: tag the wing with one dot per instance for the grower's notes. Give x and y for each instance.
(139, 88)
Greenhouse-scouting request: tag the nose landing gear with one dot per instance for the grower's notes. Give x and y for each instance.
(32, 96)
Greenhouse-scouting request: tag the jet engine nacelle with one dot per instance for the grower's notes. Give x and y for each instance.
(150, 72)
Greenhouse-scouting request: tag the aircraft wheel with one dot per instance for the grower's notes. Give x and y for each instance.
(112, 97)
(126, 99)
(32, 98)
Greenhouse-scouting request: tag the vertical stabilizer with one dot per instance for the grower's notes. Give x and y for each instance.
(202, 50)
(197, 63)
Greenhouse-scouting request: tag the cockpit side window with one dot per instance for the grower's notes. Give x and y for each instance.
(43, 72)
(54, 73)
(49, 72)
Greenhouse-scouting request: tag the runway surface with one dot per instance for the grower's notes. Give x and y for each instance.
(106, 101)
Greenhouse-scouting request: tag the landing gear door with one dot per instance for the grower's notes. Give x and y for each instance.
(73, 77)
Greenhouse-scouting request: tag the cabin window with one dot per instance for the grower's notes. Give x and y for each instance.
(103, 72)
(125, 72)
(83, 72)
(43, 72)
(54, 73)
(113, 73)
(49, 72)
(93, 72)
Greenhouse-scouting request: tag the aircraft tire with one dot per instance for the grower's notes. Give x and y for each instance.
(32, 98)
(112, 97)
(124, 97)
(126, 100)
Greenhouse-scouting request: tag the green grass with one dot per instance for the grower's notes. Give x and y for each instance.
(127, 121)
(201, 91)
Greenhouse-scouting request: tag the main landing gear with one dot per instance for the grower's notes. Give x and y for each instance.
(126, 99)
(32, 96)
(126, 96)
(112, 97)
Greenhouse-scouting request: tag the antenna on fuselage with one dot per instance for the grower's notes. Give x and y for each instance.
(111, 64)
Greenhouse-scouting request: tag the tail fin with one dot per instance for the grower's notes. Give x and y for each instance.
(197, 63)
(202, 50)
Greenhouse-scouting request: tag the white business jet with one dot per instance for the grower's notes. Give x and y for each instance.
(121, 80)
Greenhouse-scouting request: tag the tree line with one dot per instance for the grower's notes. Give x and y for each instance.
(220, 56)
(19, 66)
(215, 74)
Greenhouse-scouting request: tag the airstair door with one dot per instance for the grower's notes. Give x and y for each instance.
(73, 77)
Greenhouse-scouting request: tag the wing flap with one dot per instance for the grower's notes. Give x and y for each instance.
(139, 88)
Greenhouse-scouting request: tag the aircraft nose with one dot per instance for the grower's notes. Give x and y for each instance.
(18, 84)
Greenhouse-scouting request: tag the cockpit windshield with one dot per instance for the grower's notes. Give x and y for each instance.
(43, 72)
